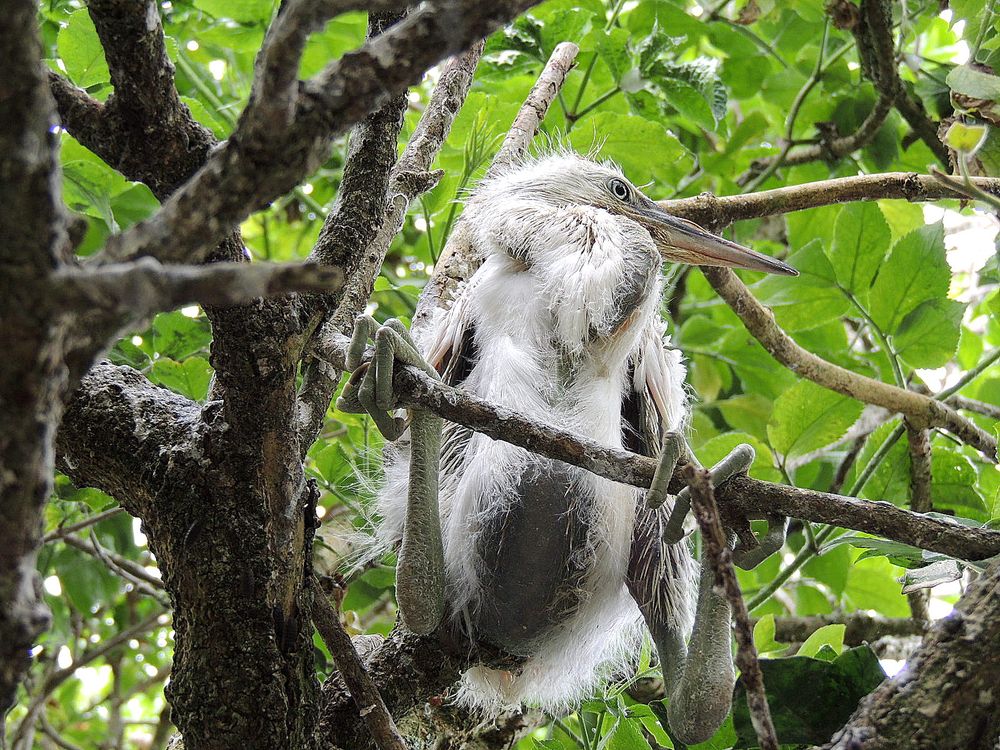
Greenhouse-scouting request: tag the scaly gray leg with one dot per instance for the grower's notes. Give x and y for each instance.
(698, 676)
(420, 567)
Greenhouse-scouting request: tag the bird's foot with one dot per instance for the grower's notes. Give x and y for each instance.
(369, 389)
(750, 551)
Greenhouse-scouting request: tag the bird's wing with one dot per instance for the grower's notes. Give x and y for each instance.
(660, 576)
(656, 401)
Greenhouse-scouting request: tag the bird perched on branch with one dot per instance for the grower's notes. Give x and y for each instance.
(541, 559)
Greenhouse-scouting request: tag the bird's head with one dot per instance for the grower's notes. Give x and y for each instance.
(567, 179)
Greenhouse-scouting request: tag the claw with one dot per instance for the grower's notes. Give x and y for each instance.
(737, 462)
(772, 541)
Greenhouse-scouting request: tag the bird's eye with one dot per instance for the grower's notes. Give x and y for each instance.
(619, 189)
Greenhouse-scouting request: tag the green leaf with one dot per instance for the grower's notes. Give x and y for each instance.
(917, 270)
(953, 484)
(189, 378)
(808, 417)
(177, 336)
(860, 241)
(81, 51)
(763, 635)
(626, 736)
(965, 138)
(975, 83)
(245, 11)
(928, 336)
(828, 635)
(808, 300)
(810, 699)
(646, 150)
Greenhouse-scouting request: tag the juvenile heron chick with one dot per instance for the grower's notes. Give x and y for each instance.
(544, 560)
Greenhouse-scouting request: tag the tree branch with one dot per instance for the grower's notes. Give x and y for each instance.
(828, 149)
(273, 98)
(760, 323)
(243, 175)
(872, 30)
(139, 288)
(718, 212)
(740, 496)
(370, 705)
(861, 627)
(144, 101)
(410, 177)
(718, 554)
(34, 240)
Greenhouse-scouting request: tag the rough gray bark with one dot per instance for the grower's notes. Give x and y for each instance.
(34, 240)
(220, 488)
(946, 698)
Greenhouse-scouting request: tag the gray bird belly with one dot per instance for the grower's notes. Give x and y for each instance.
(534, 557)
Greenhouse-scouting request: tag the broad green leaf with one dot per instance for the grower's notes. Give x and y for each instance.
(808, 417)
(245, 11)
(965, 138)
(860, 241)
(966, 80)
(626, 736)
(644, 149)
(810, 699)
(746, 413)
(872, 584)
(177, 336)
(81, 51)
(189, 378)
(763, 636)
(928, 336)
(915, 271)
(953, 486)
(828, 635)
(809, 299)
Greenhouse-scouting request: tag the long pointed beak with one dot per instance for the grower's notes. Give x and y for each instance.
(683, 241)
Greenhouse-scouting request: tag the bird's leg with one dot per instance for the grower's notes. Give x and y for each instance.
(420, 566)
(698, 675)
(701, 690)
(737, 462)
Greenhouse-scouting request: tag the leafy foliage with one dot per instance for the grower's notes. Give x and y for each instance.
(686, 97)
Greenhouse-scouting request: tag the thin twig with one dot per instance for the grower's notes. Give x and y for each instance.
(919, 441)
(719, 555)
(718, 212)
(135, 573)
(760, 322)
(370, 705)
(62, 531)
(58, 677)
(741, 495)
(828, 149)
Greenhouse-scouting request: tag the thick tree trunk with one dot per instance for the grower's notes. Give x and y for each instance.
(33, 380)
(947, 697)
